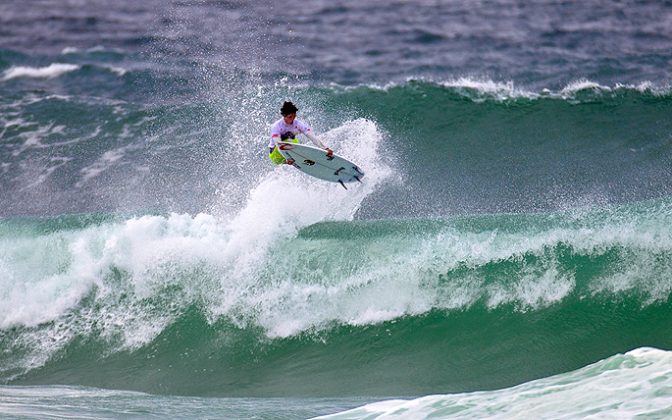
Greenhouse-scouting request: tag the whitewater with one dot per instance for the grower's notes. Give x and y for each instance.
(509, 254)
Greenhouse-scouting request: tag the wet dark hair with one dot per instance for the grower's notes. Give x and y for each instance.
(288, 108)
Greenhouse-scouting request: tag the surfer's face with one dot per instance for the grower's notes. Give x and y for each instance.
(289, 118)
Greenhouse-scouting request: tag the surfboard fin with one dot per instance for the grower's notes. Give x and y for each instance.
(342, 184)
(358, 180)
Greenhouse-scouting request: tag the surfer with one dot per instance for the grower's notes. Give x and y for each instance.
(286, 129)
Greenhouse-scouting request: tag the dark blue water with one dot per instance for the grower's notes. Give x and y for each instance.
(155, 92)
(539, 44)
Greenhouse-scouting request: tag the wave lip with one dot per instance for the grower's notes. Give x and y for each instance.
(498, 90)
(484, 89)
(49, 72)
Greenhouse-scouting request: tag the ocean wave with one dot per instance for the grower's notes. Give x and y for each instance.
(278, 272)
(451, 154)
(119, 71)
(479, 89)
(450, 268)
(51, 71)
(645, 87)
(56, 70)
(633, 384)
(96, 49)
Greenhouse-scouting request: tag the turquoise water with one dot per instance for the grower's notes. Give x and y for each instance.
(510, 251)
(177, 304)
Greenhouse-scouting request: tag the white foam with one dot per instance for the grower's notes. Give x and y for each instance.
(243, 277)
(285, 201)
(214, 261)
(106, 161)
(69, 50)
(536, 289)
(33, 294)
(48, 72)
(499, 90)
(507, 90)
(638, 383)
(401, 279)
(582, 84)
(119, 71)
(490, 88)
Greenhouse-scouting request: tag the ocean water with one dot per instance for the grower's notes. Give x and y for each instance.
(509, 253)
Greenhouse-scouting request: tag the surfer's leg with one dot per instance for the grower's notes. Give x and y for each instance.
(276, 157)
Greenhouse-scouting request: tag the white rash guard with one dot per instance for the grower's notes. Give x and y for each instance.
(280, 129)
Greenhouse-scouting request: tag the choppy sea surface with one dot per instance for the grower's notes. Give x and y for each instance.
(508, 255)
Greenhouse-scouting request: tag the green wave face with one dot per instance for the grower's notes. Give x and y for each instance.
(189, 305)
(472, 147)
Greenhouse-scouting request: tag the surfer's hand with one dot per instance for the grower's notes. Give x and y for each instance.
(330, 152)
(289, 161)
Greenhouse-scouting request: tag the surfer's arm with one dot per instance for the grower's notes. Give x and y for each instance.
(318, 143)
(274, 140)
(315, 140)
(308, 132)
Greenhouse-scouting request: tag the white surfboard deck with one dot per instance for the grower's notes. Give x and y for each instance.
(315, 162)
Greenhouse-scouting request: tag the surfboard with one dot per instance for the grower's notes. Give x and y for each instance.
(315, 162)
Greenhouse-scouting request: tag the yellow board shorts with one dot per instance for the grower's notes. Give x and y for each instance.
(275, 155)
